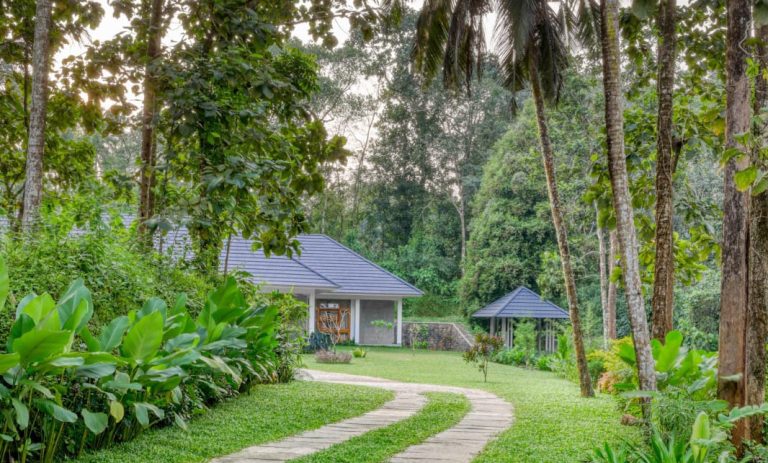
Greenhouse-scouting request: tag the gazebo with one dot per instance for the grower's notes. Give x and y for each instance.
(520, 305)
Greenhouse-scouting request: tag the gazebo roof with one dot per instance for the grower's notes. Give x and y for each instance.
(521, 303)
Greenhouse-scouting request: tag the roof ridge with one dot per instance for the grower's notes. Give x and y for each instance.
(547, 301)
(345, 248)
(315, 272)
(512, 297)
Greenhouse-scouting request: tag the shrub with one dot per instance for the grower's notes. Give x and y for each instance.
(525, 337)
(64, 389)
(596, 368)
(515, 356)
(327, 356)
(318, 341)
(484, 348)
(290, 335)
(544, 363)
(106, 259)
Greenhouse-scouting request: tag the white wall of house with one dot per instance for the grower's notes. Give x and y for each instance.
(364, 310)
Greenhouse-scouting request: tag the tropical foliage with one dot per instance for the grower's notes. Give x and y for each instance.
(66, 389)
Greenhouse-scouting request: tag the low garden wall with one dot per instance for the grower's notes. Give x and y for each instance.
(436, 336)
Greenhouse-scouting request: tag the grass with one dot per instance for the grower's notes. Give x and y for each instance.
(553, 424)
(268, 413)
(443, 411)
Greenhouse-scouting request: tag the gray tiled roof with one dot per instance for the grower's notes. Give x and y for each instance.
(273, 270)
(353, 273)
(521, 303)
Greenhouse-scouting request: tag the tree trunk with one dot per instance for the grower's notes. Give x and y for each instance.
(613, 250)
(735, 247)
(602, 255)
(585, 382)
(757, 311)
(463, 231)
(148, 139)
(662, 301)
(625, 225)
(33, 184)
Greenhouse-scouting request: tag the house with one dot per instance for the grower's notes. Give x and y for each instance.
(347, 295)
(520, 305)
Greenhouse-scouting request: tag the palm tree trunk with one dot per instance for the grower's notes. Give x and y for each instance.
(625, 225)
(735, 248)
(664, 269)
(148, 139)
(613, 250)
(585, 382)
(757, 311)
(602, 255)
(33, 184)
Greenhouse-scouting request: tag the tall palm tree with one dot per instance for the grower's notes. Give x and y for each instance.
(530, 38)
(33, 180)
(622, 204)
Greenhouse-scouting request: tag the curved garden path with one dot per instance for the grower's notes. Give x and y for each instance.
(489, 415)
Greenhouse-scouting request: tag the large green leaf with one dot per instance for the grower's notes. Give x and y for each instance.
(701, 431)
(142, 410)
(91, 342)
(112, 334)
(56, 411)
(744, 178)
(96, 370)
(22, 413)
(38, 345)
(117, 410)
(37, 307)
(8, 361)
(4, 283)
(95, 422)
(23, 324)
(144, 339)
(224, 304)
(154, 304)
(75, 307)
(666, 355)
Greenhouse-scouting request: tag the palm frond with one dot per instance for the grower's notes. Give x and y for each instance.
(431, 37)
(530, 33)
(466, 42)
(552, 56)
(450, 33)
(585, 22)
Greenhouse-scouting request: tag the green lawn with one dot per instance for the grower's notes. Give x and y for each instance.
(553, 424)
(267, 414)
(442, 411)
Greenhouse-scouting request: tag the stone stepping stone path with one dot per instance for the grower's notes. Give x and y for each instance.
(489, 415)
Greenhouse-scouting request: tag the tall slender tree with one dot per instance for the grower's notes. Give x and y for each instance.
(757, 311)
(154, 33)
(617, 167)
(664, 268)
(33, 184)
(735, 247)
(530, 37)
(609, 312)
(613, 251)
